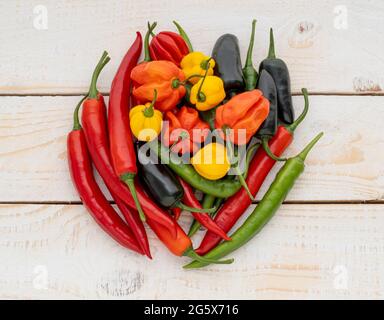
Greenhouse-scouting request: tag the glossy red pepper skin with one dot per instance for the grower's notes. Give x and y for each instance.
(176, 211)
(133, 220)
(178, 243)
(92, 197)
(120, 136)
(236, 205)
(169, 46)
(95, 128)
(204, 218)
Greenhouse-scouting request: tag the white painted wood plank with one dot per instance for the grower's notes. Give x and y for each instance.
(309, 34)
(306, 251)
(347, 164)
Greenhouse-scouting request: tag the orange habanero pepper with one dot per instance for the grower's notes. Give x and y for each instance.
(247, 110)
(165, 77)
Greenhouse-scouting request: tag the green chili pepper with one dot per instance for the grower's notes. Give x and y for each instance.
(207, 203)
(249, 72)
(218, 188)
(276, 194)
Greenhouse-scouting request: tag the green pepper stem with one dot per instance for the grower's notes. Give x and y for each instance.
(76, 121)
(248, 158)
(248, 61)
(269, 152)
(128, 179)
(303, 154)
(184, 35)
(292, 127)
(183, 83)
(198, 210)
(271, 52)
(193, 255)
(207, 203)
(244, 183)
(151, 27)
(200, 95)
(93, 92)
(195, 226)
(239, 174)
(149, 111)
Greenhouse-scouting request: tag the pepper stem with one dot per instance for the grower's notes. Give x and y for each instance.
(271, 52)
(92, 94)
(76, 121)
(248, 158)
(200, 95)
(151, 27)
(239, 174)
(191, 209)
(184, 35)
(292, 127)
(244, 183)
(190, 77)
(269, 152)
(148, 111)
(195, 226)
(303, 154)
(128, 179)
(248, 61)
(193, 255)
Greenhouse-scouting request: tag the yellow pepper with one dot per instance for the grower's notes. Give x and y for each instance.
(207, 93)
(212, 161)
(145, 121)
(196, 63)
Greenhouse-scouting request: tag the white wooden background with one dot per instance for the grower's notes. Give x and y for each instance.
(327, 241)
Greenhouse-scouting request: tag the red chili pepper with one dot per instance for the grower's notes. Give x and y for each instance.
(190, 200)
(176, 211)
(92, 197)
(259, 168)
(95, 129)
(167, 45)
(137, 227)
(120, 136)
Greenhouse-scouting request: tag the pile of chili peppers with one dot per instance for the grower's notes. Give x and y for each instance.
(183, 121)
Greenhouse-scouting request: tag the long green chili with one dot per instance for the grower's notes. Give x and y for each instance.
(276, 194)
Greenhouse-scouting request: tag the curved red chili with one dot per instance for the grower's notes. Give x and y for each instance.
(92, 197)
(95, 128)
(204, 218)
(133, 220)
(120, 136)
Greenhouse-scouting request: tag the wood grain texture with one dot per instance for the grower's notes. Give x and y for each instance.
(306, 251)
(347, 164)
(323, 251)
(321, 55)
